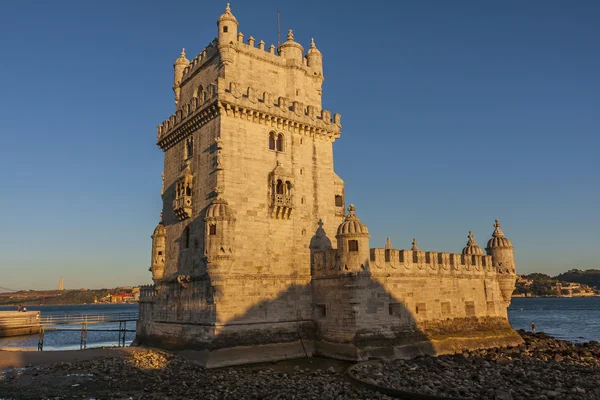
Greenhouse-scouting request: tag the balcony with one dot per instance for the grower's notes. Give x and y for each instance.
(182, 207)
(282, 206)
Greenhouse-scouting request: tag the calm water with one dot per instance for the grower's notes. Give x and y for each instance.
(70, 340)
(575, 319)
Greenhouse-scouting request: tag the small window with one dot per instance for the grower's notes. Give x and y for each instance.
(188, 190)
(272, 141)
(446, 310)
(352, 245)
(279, 187)
(339, 201)
(302, 200)
(212, 229)
(421, 309)
(320, 310)
(225, 29)
(301, 141)
(395, 309)
(279, 142)
(160, 253)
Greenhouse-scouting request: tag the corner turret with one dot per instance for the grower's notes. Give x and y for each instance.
(353, 243)
(228, 27)
(314, 59)
(291, 50)
(158, 253)
(219, 233)
(472, 249)
(503, 258)
(178, 68)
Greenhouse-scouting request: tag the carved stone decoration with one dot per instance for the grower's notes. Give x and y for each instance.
(234, 89)
(282, 187)
(298, 108)
(268, 99)
(184, 280)
(337, 119)
(283, 104)
(311, 112)
(326, 116)
(252, 95)
(218, 158)
(182, 204)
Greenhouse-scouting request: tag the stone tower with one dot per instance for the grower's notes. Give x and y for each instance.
(503, 257)
(248, 175)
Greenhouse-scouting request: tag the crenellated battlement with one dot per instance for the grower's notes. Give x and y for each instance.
(250, 103)
(410, 262)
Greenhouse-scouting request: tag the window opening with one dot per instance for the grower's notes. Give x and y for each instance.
(352, 245)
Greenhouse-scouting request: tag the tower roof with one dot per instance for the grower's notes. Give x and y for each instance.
(313, 48)
(219, 208)
(227, 16)
(498, 239)
(290, 42)
(159, 230)
(182, 60)
(351, 224)
(472, 248)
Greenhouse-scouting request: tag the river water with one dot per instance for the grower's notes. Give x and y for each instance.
(575, 319)
(61, 340)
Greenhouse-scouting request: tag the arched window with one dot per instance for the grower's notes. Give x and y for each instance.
(288, 188)
(212, 229)
(272, 141)
(188, 190)
(279, 187)
(279, 144)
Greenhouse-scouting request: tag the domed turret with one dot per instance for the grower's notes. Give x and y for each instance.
(219, 234)
(353, 243)
(352, 225)
(503, 258)
(228, 27)
(314, 59)
(178, 68)
(158, 252)
(291, 49)
(472, 249)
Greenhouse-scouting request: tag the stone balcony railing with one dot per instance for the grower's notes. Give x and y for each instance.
(282, 200)
(182, 207)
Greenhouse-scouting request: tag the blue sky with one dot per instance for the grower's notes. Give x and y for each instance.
(454, 113)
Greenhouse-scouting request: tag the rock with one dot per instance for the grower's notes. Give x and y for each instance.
(502, 395)
(331, 370)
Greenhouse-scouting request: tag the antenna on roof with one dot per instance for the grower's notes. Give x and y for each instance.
(278, 33)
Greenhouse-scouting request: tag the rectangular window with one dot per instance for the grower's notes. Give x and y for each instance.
(320, 310)
(352, 245)
(212, 229)
(339, 201)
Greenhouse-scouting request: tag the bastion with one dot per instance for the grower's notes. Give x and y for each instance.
(255, 257)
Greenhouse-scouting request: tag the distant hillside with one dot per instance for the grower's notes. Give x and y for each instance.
(590, 277)
(50, 297)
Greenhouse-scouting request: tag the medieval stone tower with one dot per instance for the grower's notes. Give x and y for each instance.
(254, 257)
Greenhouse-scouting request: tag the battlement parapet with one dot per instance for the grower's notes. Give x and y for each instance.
(148, 293)
(249, 103)
(203, 58)
(411, 263)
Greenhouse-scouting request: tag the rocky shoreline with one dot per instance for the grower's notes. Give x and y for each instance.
(541, 368)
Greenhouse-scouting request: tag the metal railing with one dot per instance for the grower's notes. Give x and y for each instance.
(63, 319)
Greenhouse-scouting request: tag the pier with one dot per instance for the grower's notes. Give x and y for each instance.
(14, 323)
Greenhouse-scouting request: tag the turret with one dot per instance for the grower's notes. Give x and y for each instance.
(219, 232)
(501, 250)
(353, 243)
(178, 68)
(314, 59)
(503, 258)
(291, 50)
(228, 27)
(472, 249)
(158, 253)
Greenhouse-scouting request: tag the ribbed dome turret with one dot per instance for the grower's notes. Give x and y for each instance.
(472, 249)
(219, 209)
(351, 224)
(160, 230)
(227, 16)
(498, 239)
(313, 48)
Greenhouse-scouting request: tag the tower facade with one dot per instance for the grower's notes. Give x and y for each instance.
(248, 174)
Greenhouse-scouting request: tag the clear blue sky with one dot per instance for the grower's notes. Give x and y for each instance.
(454, 113)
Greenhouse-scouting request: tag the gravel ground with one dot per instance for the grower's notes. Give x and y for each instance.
(151, 374)
(540, 369)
